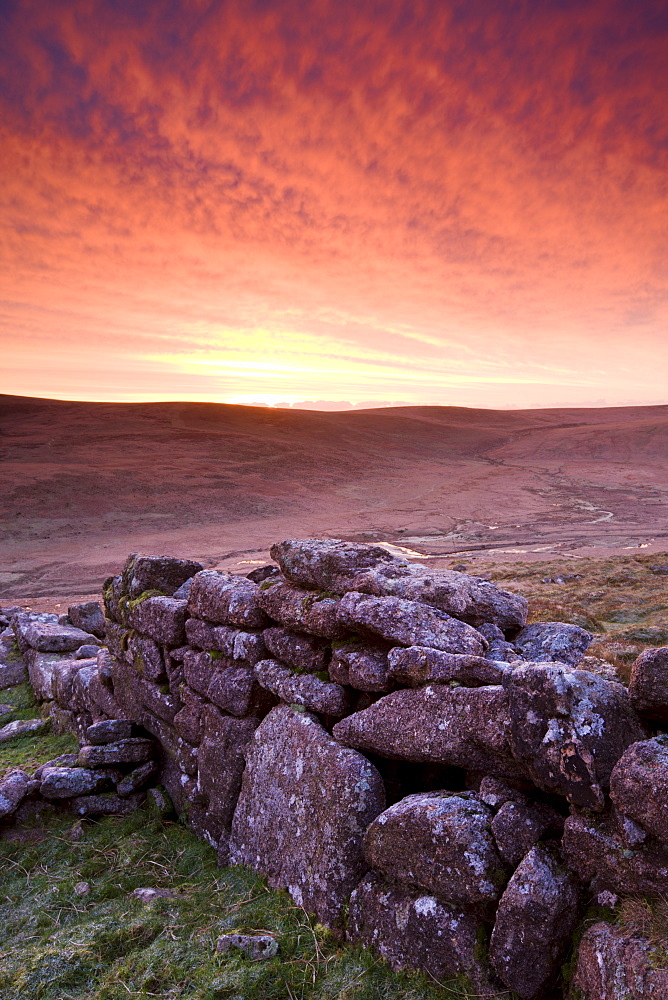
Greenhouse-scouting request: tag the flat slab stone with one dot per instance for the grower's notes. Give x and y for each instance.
(413, 930)
(536, 916)
(221, 760)
(301, 610)
(68, 782)
(51, 637)
(302, 689)
(408, 623)
(339, 566)
(106, 805)
(639, 785)
(21, 622)
(285, 825)
(24, 727)
(614, 964)
(569, 728)
(132, 751)
(418, 665)
(109, 731)
(462, 727)
(440, 842)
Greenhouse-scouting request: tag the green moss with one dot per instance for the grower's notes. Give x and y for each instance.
(215, 654)
(28, 752)
(13, 654)
(126, 605)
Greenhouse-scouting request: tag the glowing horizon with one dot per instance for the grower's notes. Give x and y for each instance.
(421, 203)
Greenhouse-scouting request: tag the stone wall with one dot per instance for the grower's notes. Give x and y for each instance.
(395, 746)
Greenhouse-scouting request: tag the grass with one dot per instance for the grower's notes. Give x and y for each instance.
(28, 752)
(619, 599)
(104, 945)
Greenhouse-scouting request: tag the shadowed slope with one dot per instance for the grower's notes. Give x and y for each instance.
(223, 482)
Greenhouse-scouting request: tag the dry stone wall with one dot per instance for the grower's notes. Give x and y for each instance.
(417, 766)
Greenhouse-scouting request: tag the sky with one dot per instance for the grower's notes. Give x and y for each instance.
(335, 202)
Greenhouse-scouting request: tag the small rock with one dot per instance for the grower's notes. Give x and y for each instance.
(546, 642)
(24, 727)
(639, 785)
(68, 782)
(519, 825)
(495, 792)
(648, 687)
(81, 888)
(89, 617)
(262, 573)
(160, 802)
(305, 653)
(75, 832)
(148, 895)
(257, 946)
(614, 964)
(165, 573)
(6, 710)
(14, 787)
(136, 779)
(302, 689)
(361, 665)
(109, 731)
(608, 899)
(86, 652)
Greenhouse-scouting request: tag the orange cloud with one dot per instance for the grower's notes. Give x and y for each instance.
(428, 200)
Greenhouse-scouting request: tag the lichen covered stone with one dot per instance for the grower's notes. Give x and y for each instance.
(305, 803)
